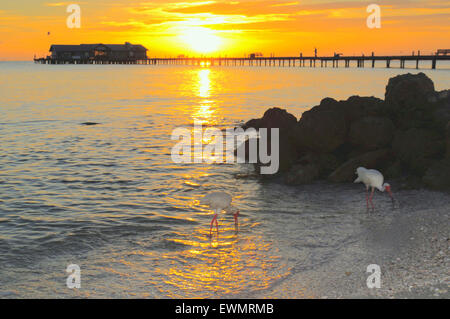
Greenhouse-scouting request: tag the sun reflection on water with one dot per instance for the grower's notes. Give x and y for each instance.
(205, 112)
(204, 83)
(223, 265)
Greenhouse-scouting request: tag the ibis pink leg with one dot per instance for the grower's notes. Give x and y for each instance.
(371, 196)
(235, 215)
(367, 198)
(212, 222)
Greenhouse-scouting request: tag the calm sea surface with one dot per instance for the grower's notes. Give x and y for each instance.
(109, 198)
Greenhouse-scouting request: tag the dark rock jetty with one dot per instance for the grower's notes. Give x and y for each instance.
(406, 136)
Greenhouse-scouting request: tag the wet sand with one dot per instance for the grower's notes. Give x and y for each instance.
(409, 243)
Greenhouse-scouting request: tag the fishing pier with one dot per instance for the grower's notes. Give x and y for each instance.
(136, 54)
(311, 61)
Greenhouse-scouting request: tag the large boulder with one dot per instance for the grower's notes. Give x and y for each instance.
(416, 147)
(407, 90)
(253, 123)
(323, 128)
(346, 172)
(441, 112)
(273, 118)
(302, 174)
(356, 107)
(439, 95)
(441, 117)
(287, 153)
(311, 166)
(371, 133)
(285, 122)
(242, 151)
(407, 100)
(437, 175)
(448, 140)
(394, 171)
(325, 162)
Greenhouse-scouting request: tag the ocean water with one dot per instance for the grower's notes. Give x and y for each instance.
(109, 198)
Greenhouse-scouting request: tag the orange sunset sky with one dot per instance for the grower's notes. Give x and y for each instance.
(232, 28)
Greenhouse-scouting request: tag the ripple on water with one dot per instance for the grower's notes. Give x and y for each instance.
(110, 198)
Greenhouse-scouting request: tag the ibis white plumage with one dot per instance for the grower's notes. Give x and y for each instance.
(372, 178)
(220, 201)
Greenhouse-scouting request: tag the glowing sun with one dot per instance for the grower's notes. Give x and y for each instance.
(201, 40)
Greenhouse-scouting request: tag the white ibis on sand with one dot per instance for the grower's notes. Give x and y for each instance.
(219, 201)
(372, 179)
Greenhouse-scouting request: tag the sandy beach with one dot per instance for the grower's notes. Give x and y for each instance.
(409, 243)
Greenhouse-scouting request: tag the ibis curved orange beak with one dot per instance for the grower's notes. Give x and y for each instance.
(388, 189)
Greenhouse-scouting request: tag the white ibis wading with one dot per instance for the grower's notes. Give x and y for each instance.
(372, 179)
(220, 201)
